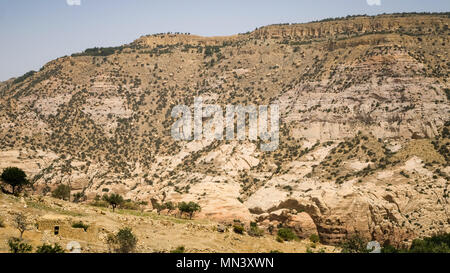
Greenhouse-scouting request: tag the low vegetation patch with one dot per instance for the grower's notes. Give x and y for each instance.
(286, 234)
(80, 225)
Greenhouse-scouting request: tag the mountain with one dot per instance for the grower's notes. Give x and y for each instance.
(364, 142)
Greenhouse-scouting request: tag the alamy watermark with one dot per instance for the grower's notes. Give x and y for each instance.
(208, 122)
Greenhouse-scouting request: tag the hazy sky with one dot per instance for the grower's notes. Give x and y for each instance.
(33, 32)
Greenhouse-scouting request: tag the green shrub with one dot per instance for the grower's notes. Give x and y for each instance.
(389, 249)
(434, 244)
(80, 225)
(179, 249)
(255, 231)
(50, 249)
(238, 228)
(17, 245)
(279, 239)
(275, 251)
(354, 244)
(122, 242)
(314, 238)
(286, 234)
(79, 197)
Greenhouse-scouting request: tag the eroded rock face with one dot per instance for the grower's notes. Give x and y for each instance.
(301, 223)
(370, 211)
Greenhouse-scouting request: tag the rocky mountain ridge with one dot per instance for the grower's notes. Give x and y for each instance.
(364, 125)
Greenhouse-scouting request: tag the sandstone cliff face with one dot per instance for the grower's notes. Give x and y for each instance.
(364, 125)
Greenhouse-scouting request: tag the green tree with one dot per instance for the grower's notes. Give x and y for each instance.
(62, 192)
(189, 208)
(14, 177)
(114, 200)
(17, 245)
(50, 249)
(122, 242)
(170, 206)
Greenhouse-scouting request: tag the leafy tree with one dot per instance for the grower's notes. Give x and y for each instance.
(114, 200)
(14, 177)
(17, 245)
(62, 192)
(189, 208)
(50, 249)
(170, 206)
(21, 223)
(122, 242)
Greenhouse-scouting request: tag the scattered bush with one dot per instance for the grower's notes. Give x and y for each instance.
(50, 249)
(354, 244)
(286, 234)
(122, 242)
(80, 225)
(179, 249)
(79, 197)
(279, 239)
(254, 230)
(17, 245)
(435, 244)
(24, 77)
(238, 228)
(275, 251)
(314, 238)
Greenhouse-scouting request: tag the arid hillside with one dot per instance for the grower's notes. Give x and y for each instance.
(364, 132)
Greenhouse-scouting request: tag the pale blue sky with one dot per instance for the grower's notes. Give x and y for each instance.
(34, 32)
